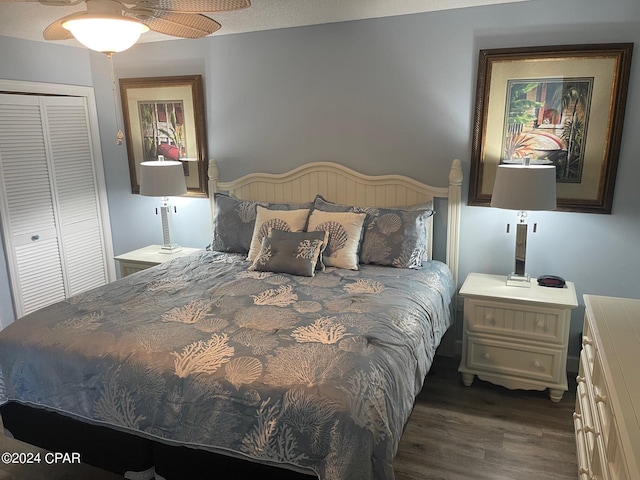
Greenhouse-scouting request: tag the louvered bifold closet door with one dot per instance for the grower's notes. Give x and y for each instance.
(49, 204)
(75, 189)
(28, 217)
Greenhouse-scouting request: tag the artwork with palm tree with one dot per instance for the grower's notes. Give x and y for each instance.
(546, 121)
(165, 116)
(163, 131)
(556, 105)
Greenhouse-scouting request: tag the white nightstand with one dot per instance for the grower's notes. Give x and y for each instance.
(146, 257)
(514, 336)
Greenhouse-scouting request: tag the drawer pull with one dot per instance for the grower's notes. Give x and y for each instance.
(486, 356)
(538, 365)
(35, 237)
(586, 341)
(589, 429)
(489, 319)
(540, 325)
(601, 398)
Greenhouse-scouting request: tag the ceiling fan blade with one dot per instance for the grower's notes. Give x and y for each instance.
(191, 6)
(57, 3)
(55, 31)
(185, 25)
(53, 3)
(15, 1)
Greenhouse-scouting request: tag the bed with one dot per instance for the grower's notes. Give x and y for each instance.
(294, 344)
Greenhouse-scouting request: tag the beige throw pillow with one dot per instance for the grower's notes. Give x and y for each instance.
(287, 220)
(345, 232)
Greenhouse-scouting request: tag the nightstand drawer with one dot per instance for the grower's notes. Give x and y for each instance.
(522, 321)
(129, 268)
(513, 359)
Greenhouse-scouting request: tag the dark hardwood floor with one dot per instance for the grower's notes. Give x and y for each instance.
(481, 432)
(486, 432)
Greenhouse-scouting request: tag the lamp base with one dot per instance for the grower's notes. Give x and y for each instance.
(171, 248)
(515, 280)
(167, 245)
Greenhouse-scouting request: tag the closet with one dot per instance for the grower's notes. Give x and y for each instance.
(52, 204)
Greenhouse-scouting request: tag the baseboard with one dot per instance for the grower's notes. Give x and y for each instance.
(458, 348)
(573, 363)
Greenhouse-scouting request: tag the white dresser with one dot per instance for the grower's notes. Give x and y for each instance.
(514, 336)
(607, 417)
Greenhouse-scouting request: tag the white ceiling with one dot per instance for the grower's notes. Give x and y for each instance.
(28, 19)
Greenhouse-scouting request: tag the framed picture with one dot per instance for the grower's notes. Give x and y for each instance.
(560, 105)
(164, 116)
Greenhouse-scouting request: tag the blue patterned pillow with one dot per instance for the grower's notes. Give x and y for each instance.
(296, 253)
(397, 238)
(392, 236)
(234, 221)
(316, 235)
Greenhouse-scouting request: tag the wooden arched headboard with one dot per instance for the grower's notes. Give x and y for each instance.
(343, 185)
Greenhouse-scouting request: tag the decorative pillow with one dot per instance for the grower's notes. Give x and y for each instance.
(345, 231)
(296, 253)
(392, 236)
(301, 236)
(267, 219)
(234, 220)
(397, 238)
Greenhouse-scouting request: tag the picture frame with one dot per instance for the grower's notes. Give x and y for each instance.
(561, 105)
(165, 116)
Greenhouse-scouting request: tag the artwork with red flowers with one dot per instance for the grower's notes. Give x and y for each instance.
(164, 117)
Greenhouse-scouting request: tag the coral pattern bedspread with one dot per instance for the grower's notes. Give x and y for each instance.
(317, 373)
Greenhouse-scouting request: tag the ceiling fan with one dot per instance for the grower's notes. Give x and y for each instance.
(125, 20)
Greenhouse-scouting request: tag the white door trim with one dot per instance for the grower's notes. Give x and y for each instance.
(25, 87)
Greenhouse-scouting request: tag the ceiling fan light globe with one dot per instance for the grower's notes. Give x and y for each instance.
(105, 34)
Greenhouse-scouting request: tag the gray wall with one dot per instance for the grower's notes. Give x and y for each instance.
(384, 95)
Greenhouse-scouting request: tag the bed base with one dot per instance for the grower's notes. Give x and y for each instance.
(128, 455)
(101, 447)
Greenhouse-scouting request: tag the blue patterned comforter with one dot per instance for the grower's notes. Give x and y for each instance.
(314, 373)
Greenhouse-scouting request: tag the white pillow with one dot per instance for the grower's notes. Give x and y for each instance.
(287, 220)
(345, 232)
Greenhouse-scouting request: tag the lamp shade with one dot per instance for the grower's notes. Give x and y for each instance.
(106, 33)
(162, 179)
(519, 187)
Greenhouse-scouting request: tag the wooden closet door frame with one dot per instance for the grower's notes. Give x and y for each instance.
(24, 87)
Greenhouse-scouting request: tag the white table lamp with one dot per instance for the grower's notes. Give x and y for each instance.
(524, 187)
(163, 179)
